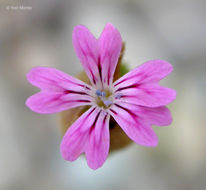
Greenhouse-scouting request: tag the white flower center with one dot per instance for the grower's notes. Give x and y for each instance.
(104, 98)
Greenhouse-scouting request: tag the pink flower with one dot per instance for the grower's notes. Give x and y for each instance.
(136, 101)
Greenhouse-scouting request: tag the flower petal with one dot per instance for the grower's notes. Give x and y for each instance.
(59, 91)
(98, 57)
(86, 47)
(98, 145)
(52, 102)
(160, 116)
(89, 134)
(110, 44)
(151, 95)
(76, 137)
(135, 127)
(151, 71)
(53, 79)
(140, 86)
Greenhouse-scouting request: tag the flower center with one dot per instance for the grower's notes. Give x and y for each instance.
(104, 98)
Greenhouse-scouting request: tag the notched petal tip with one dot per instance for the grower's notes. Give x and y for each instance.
(160, 62)
(110, 26)
(79, 29)
(27, 103)
(65, 155)
(110, 32)
(147, 140)
(160, 116)
(90, 135)
(163, 67)
(31, 105)
(34, 103)
(152, 143)
(110, 45)
(172, 96)
(94, 166)
(31, 75)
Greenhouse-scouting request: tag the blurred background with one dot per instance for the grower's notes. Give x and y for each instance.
(39, 33)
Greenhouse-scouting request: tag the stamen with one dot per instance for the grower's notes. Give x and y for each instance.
(98, 93)
(107, 102)
(103, 98)
(103, 94)
(118, 95)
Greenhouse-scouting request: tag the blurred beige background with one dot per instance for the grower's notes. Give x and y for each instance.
(41, 35)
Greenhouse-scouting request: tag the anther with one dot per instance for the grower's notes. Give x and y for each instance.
(118, 96)
(98, 93)
(107, 102)
(103, 94)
